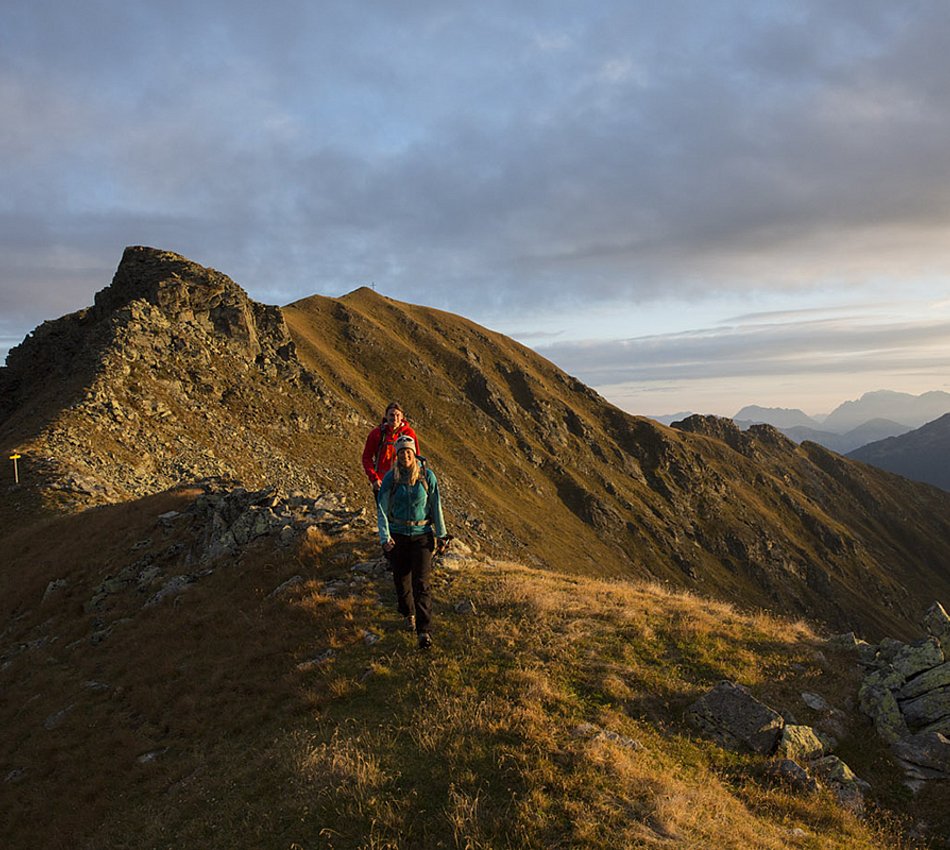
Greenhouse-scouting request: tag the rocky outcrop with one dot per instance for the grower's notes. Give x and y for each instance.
(907, 696)
(221, 523)
(173, 375)
(733, 718)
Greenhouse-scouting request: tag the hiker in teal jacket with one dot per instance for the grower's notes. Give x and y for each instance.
(411, 528)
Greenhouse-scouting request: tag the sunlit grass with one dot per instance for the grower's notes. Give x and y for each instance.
(552, 718)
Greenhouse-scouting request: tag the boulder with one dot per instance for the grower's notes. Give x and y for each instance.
(929, 680)
(925, 755)
(847, 787)
(931, 707)
(815, 702)
(791, 773)
(880, 704)
(799, 743)
(909, 659)
(736, 720)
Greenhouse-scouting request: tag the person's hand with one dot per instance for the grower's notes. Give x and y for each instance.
(376, 485)
(389, 545)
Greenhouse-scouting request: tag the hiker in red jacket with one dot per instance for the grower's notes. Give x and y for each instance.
(379, 453)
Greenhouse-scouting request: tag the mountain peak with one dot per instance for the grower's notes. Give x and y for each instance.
(175, 375)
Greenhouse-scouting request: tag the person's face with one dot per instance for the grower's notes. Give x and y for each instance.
(394, 417)
(404, 457)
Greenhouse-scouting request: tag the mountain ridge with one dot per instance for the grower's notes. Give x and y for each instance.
(534, 464)
(199, 643)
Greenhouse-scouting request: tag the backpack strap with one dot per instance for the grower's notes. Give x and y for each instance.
(380, 445)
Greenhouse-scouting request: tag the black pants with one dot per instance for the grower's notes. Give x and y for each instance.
(412, 568)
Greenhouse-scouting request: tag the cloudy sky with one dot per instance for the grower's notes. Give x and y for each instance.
(688, 205)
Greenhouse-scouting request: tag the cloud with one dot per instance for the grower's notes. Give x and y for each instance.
(819, 346)
(469, 158)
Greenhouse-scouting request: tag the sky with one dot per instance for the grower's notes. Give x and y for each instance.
(690, 206)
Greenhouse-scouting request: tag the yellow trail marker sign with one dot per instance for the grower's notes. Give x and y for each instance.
(16, 472)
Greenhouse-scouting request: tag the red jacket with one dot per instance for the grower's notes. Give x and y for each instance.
(379, 453)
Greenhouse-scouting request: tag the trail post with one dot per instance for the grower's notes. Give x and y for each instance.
(16, 472)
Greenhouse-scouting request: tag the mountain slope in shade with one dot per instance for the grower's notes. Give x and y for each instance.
(182, 376)
(922, 455)
(875, 429)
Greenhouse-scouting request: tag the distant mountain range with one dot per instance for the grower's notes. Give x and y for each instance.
(874, 416)
(922, 454)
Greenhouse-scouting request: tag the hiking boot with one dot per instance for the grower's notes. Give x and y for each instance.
(411, 623)
(425, 642)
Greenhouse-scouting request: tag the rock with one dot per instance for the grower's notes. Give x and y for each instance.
(848, 788)
(849, 641)
(370, 568)
(926, 709)
(317, 660)
(595, 733)
(880, 704)
(732, 717)
(293, 581)
(937, 623)
(54, 587)
(815, 701)
(173, 587)
(925, 755)
(929, 680)
(793, 774)
(57, 718)
(799, 743)
(907, 660)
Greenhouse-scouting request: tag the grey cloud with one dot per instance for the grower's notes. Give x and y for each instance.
(475, 157)
(817, 346)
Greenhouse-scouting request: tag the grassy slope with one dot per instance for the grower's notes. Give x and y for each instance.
(564, 479)
(472, 745)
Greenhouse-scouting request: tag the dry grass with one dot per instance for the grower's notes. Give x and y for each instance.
(253, 737)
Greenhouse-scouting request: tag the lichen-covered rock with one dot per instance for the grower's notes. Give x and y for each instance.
(732, 717)
(929, 680)
(929, 708)
(879, 703)
(925, 756)
(848, 788)
(909, 659)
(799, 743)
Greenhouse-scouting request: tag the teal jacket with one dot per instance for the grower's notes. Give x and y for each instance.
(409, 510)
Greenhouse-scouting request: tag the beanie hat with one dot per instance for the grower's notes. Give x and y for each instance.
(406, 442)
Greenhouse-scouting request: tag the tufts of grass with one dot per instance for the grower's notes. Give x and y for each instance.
(552, 718)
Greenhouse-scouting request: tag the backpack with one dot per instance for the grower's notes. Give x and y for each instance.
(383, 442)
